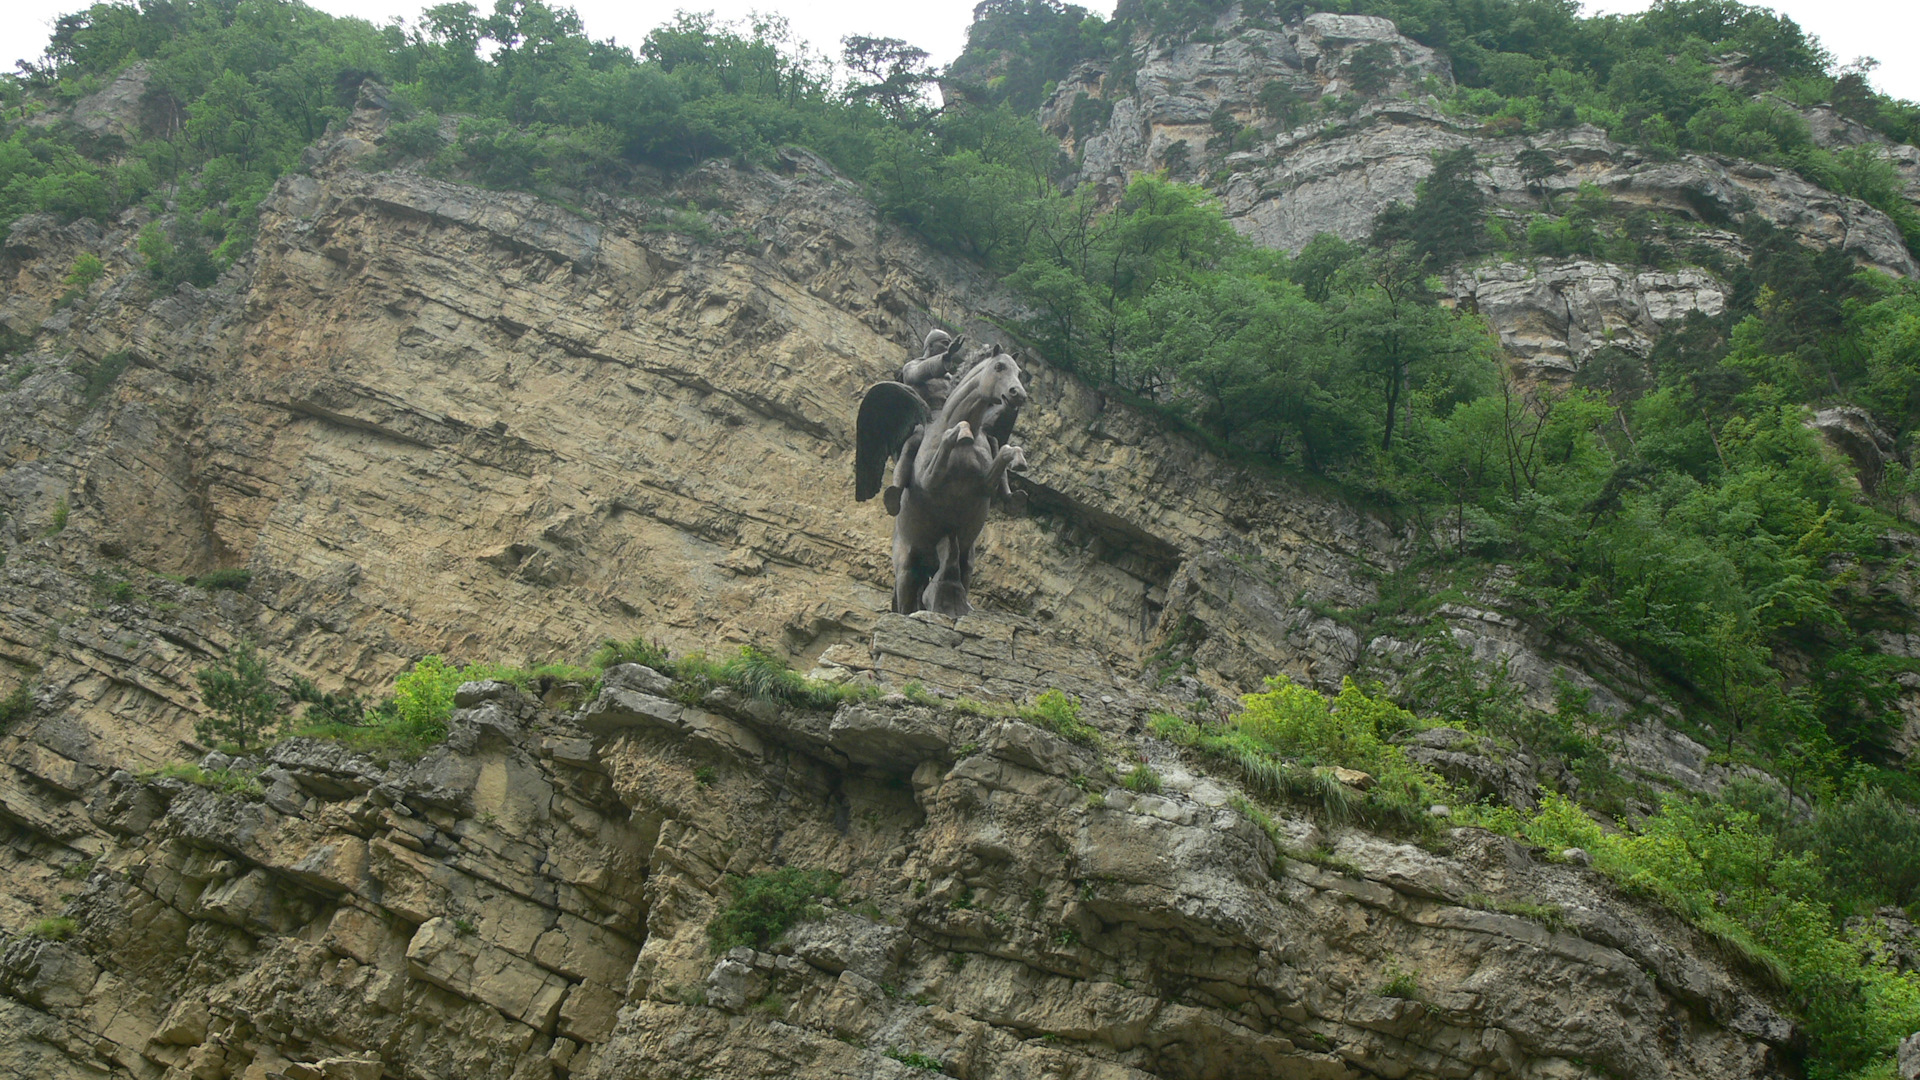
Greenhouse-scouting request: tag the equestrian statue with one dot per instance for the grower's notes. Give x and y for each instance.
(948, 427)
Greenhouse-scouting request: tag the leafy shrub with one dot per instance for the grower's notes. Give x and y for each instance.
(423, 696)
(417, 136)
(536, 157)
(102, 374)
(171, 263)
(1764, 904)
(246, 708)
(1060, 714)
(86, 270)
(1400, 984)
(763, 906)
(1870, 845)
(917, 1061)
(1370, 68)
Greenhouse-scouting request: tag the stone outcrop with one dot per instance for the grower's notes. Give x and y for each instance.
(1553, 317)
(1335, 173)
(532, 900)
(1203, 109)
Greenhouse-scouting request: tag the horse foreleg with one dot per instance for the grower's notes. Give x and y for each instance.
(932, 472)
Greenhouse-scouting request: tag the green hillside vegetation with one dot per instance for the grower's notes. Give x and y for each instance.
(1676, 505)
(1702, 76)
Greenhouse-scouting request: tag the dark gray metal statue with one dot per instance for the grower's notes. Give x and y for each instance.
(952, 460)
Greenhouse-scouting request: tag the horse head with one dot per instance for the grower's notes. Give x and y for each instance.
(992, 383)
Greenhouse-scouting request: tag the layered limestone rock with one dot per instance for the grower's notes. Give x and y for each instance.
(1553, 317)
(532, 900)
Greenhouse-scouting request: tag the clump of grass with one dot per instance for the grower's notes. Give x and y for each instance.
(1266, 825)
(764, 906)
(1060, 714)
(917, 1061)
(613, 653)
(58, 523)
(58, 928)
(1552, 916)
(1324, 858)
(761, 675)
(228, 781)
(1284, 742)
(1142, 780)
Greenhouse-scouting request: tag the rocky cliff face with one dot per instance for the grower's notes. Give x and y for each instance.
(432, 418)
(531, 900)
(1289, 177)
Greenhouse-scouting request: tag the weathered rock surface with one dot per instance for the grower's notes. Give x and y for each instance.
(548, 917)
(1553, 317)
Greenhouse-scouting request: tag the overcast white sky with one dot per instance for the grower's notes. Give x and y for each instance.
(1886, 29)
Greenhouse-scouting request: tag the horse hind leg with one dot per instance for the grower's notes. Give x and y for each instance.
(912, 573)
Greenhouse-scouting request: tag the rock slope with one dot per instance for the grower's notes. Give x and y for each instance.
(531, 900)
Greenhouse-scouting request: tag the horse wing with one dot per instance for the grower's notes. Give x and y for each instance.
(888, 414)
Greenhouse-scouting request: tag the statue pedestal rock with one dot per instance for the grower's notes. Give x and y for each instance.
(993, 657)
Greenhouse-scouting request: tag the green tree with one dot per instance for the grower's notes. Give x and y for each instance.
(246, 707)
(1447, 221)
